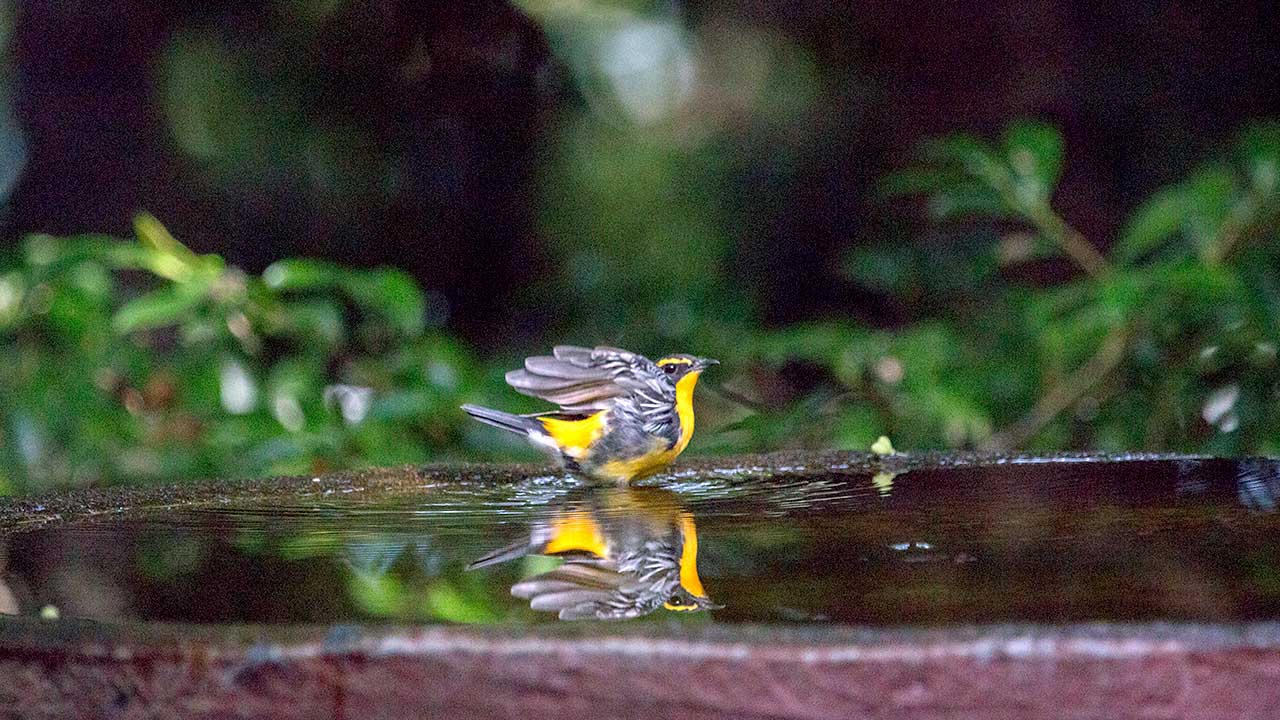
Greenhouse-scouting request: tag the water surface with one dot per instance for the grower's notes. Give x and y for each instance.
(1020, 541)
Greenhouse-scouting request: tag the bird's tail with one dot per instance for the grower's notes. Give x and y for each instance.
(517, 549)
(520, 424)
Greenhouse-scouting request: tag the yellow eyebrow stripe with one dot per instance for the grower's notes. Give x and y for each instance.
(674, 361)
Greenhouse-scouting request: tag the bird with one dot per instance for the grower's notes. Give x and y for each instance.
(627, 552)
(621, 417)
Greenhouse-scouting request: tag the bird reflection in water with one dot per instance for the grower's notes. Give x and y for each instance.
(626, 551)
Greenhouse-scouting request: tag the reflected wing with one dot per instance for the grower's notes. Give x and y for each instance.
(517, 549)
(585, 590)
(586, 380)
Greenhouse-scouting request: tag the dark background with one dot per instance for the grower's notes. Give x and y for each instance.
(1141, 90)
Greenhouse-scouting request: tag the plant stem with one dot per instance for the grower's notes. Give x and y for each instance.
(1041, 214)
(1071, 241)
(1065, 394)
(735, 397)
(1246, 219)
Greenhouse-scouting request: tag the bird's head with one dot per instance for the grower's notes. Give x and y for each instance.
(680, 365)
(681, 600)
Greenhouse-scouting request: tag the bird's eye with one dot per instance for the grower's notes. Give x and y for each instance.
(669, 368)
(675, 600)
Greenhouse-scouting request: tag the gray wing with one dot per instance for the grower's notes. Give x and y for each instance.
(577, 591)
(585, 380)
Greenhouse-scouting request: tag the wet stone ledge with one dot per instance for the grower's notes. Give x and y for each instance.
(18, 514)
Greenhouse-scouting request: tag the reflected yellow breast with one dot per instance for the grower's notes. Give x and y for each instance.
(578, 532)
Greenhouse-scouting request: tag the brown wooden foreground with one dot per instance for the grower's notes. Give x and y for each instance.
(70, 669)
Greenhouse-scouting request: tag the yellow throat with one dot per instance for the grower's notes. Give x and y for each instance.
(684, 409)
(647, 464)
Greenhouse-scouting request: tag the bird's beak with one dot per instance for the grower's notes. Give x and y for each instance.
(706, 604)
(706, 362)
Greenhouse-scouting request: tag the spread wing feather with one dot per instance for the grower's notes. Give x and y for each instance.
(585, 380)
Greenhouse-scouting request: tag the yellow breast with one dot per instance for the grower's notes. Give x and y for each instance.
(684, 409)
(661, 456)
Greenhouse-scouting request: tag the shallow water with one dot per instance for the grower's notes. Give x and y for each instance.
(1025, 541)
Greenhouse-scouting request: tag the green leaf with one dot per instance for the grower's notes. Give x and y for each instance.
(1210, 195)
(319, 321)
(968, 153)
(393, 293)
(389, 292)
(1208, 285)
(1260, 149)
(968, 201)
(53, 252)
(170, 258)
(883, 446)
(302, 274)
(1035, 151)
(1157, 219)
(1121, 295)
(166, 306)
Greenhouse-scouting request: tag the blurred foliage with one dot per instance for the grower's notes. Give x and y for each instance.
(133, 360)
(244, 118)
(137, 360)
(1167, 342)
(642, 191)
(141, 360)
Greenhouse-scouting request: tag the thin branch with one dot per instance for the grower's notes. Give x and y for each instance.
(1247, 219)
(1065, 394)
(1069, 240)
(1052, 225)
(1082, 251)
(735, 397)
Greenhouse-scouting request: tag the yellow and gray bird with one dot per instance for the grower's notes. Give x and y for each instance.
(621, 417)
(627, 552)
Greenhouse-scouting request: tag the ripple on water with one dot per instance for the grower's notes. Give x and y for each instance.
(1060, 540)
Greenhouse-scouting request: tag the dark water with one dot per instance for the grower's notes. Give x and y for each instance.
(1049, 541)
